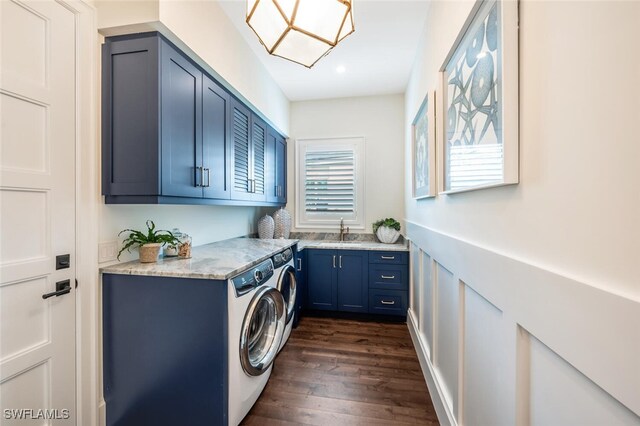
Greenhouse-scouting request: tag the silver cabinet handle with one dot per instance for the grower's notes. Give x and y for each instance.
(340, 262)
(299, 264)
(334, 260)
(386, 277)
(199, 169)
(388, 257)
(277, 191)
(388, 302)
(208, 177)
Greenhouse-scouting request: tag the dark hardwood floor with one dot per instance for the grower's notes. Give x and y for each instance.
(345, 372)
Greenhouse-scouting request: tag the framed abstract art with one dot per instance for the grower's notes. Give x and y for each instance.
(479, 116)
(424, 149)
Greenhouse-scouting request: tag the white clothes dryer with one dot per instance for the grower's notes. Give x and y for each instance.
(286, 285)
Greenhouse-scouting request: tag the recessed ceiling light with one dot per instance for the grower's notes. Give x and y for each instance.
(340, 69)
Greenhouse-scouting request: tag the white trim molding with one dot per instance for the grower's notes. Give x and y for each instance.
(503, 341)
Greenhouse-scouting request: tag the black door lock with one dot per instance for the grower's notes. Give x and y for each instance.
(62, 287)
(63, 261)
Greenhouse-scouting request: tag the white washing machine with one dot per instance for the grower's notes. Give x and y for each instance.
(286, 285)
(257, 321)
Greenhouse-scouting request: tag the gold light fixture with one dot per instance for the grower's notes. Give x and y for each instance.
(302, 31)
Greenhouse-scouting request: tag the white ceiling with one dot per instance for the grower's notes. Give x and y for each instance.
(377, 57)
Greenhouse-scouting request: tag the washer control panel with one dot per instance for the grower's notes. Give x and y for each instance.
(253, 277)
(282, 258)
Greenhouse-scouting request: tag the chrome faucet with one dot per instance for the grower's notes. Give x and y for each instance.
(342, 230)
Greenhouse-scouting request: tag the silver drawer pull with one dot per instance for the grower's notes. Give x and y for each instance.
(388, 257)
(388, 302)
(387, 277)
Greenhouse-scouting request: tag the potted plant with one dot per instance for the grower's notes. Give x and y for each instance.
(387, 230)
(149, 244)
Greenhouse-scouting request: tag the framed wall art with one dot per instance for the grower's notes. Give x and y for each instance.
(479, 113)
(424, 149)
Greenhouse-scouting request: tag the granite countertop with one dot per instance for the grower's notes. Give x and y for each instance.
(217, 261)
(351, 245)
(330, 240)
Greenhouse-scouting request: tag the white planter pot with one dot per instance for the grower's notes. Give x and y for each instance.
(387, 235)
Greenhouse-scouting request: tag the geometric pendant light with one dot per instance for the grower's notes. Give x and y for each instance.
(302, 31)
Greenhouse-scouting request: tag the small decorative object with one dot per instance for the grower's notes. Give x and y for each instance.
(266, 227)
(478, 131)
(424, 149)
(184, 248)
(171, 250)
(301, 31)
(149, 244)
(282, 220)
(387, 230)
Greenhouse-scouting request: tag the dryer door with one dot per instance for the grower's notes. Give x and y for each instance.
(262, 331)
(287, 286)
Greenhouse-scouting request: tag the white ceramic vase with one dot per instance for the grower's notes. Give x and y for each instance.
(282, 220)
(387, 235)
(266, 227)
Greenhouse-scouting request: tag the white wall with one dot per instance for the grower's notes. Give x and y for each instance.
(205, 30)
(545, 272)
(379, 119)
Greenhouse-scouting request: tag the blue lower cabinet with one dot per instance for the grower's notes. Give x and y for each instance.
(322, 280)
(388, 302)
(390, 277)
(165, 351)
(353, 289)
(301, 285)
(337, 280)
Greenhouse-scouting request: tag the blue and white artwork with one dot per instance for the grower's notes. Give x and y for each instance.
(474, 152)
(421, 158)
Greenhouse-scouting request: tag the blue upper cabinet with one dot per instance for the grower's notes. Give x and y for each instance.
(276, 186)
(249, 142)
(173, 135)
(215, 172)
(181, 131)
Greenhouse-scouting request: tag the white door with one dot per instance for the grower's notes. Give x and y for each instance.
(37, 211)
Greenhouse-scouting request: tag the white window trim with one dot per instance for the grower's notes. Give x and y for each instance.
(357, 222)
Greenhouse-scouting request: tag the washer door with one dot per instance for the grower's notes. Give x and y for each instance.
(262, 331)
(287, 286)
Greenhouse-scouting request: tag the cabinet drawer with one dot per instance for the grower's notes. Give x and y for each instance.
(388, 302)
(391, 277)
(389, 257)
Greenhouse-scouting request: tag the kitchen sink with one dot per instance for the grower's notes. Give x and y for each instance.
(346, 243)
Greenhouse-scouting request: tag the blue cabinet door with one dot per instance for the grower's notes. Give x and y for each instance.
(300, 260)
(130, 117)
(240, 126)
(322, 280)
(215, 116)
(181, 99)
(353, 283)
(258, 149)
(276, 170)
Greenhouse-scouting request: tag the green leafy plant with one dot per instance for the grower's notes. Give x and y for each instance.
(388, 222)
(137, 238)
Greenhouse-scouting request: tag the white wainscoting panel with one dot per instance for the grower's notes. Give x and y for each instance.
(427, 302)
(416, 281)
(518, 344)
(485, 372)
(561, 395)
(446, 335)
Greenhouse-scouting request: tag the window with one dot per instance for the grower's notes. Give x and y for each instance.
(330, 183)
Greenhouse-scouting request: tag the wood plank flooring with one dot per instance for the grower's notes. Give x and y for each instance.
(345, 372)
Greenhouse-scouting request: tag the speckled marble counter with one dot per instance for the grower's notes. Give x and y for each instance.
(353, 242)
(351, 245)
(217, 261)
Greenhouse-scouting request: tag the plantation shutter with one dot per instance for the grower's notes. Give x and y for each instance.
(330, 181)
